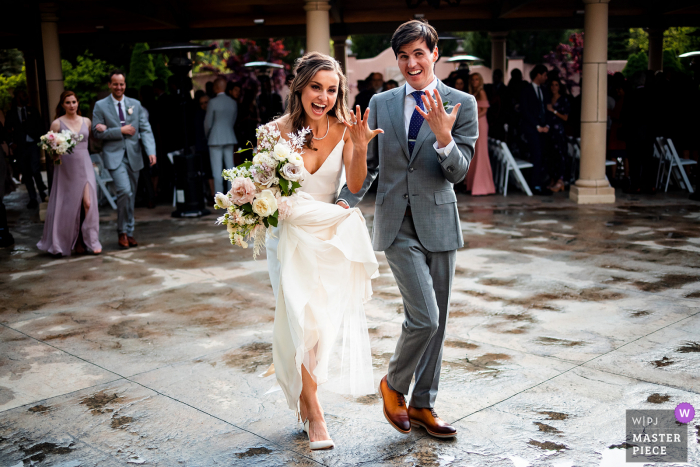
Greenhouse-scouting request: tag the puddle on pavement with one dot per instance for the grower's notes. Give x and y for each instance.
(669, 281)
(460, 344)
(120, 422)
(555, 341)
(657, 398)
(546, 428)
(494, 282)
(128, 329)
(256, 451)
(665, 361)
(547, 445)
(369, 399)
(39, 452)
(249, 357)
(97, 402)
(39, 409)
(689, 347)
(639, 314)
(554, 415)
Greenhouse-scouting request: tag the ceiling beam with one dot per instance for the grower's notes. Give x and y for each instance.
(671, 6)
(510, 6)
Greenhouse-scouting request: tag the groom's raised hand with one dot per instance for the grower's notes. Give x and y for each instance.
(438, 119)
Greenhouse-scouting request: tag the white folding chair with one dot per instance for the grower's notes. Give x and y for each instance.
(511, 164)
(103, 177)
(674, 165)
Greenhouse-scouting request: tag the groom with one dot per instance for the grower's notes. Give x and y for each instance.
(428, 141)
(122, 125)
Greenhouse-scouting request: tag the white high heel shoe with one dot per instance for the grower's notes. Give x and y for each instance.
(318, 445)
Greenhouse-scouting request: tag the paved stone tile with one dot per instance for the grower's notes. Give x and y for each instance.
(31, 371)
(124, 423)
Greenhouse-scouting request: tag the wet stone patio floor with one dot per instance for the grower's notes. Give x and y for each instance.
(562, 317)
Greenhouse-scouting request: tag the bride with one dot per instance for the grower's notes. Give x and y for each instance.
(320, 258)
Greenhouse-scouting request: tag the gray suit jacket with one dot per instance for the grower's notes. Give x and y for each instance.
(218, 123)
(114, 142)
(422, 177)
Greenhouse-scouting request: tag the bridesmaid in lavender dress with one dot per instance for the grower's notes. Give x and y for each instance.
(72, 220)
(479, 178)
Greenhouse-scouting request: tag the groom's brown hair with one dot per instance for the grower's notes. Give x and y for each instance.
(412, 31)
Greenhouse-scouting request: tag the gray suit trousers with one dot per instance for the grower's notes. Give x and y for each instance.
(125, 181)
(425, 281)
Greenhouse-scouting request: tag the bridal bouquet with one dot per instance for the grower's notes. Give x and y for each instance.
(261, 188)
(59, 144)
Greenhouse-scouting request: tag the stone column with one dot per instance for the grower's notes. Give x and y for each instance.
(52, 53)
(340, 52)
(592, 186)
(498, 51)
(318, 28)
(656, 49)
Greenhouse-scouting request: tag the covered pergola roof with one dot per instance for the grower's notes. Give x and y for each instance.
(176, 20)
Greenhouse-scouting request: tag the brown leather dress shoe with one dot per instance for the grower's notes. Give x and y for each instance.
(123, 242)
(394, 407)
(132, 242)
(434, 425)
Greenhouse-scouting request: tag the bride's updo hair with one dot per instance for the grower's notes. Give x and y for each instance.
(305, 69)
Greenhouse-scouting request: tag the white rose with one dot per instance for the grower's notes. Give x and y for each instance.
(281, 151)
(296, 159)
(265, 204)
(222, 201)
(292, 172)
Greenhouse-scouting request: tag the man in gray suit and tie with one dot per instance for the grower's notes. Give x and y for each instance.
(121, 123)
(218, 127)
(428, 141)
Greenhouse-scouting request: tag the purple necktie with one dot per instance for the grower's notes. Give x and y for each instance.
(416, 121)
(121, 114)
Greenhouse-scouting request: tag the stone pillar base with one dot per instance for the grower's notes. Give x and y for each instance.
(597, 195)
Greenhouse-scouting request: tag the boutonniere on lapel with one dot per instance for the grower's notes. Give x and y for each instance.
(130, 110)
(446, 105)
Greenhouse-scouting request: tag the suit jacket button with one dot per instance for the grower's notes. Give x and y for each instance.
(411, 169)
(450, 169)
(405, 196)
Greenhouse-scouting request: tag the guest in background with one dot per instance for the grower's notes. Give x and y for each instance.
(497, 115)
(200, 141)
(218, 127)
(459, 84)
(558, 109)
(515, 136)
(24, 128)
(638, 127)
(369, 90)
(391, 84)
(269, 102)
(234, 90)
(285, 90)
(534, 125)
(209, 89)
(247, 122)
(72, 219)
(6, 238)
(479, 178)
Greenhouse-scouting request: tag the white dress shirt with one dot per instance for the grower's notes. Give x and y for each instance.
(409, 106)
(116, 106)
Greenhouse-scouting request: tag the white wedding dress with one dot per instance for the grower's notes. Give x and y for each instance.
(321, 263)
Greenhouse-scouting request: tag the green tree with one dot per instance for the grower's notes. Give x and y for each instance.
(534, 45)
(11, 62)
(679, 40)
(142, 72)
(370, 45)
(636, 62)
(161, 68)
(672, 62)
(619, 44)
(8, 86)
(477, 44)
(86, 78)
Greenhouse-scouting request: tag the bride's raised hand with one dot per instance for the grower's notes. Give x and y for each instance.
(360, 133)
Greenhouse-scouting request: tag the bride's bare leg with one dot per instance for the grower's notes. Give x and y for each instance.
(86, 205)
(311, 408)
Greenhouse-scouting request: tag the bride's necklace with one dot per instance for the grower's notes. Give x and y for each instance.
(328, 122)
